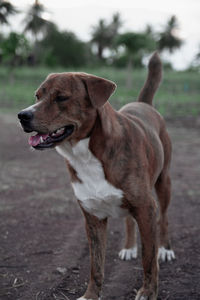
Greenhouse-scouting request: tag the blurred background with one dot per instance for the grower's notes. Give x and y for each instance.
(43, 249)
(113, 39)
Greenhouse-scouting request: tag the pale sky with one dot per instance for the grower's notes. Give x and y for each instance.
(79, 16)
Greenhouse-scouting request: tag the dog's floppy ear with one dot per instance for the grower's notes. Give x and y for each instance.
(99, 89)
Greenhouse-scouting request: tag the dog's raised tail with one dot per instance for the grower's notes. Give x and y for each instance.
(153, 80)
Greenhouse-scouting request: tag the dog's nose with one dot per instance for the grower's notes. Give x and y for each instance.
(25, 115)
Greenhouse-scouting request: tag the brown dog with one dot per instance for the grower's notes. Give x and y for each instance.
(115, 160)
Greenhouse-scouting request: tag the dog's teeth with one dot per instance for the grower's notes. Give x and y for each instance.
(59, 130)
(41, 139)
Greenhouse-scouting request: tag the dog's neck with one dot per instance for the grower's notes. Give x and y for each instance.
(102, 124)
(109, 122)
(69, 151)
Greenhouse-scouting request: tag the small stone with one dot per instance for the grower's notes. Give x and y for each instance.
(75, 270)
(61, 270)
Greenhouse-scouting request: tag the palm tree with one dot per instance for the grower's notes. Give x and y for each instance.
(115, 25)
(136, 45)
(6, 9)
(103, 34)
(167, 38)
(35, 23)
(100, 37)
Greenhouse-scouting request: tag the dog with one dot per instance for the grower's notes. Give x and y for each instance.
(115, 159)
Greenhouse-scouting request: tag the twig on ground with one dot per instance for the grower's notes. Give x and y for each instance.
(65, 297)
(37, 295)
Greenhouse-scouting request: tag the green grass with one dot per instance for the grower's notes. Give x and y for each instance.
(178, 95)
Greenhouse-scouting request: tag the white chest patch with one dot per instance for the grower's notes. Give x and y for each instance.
(96, 194)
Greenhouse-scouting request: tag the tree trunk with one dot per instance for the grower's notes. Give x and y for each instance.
(100, 52)
(129, 72)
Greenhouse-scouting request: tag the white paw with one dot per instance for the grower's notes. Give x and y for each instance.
(165, 254)
(128, 254)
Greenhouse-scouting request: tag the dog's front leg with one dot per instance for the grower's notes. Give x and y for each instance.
(96, 232)
(146, 219)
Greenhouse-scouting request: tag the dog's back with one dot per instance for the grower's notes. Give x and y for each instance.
(142, 109)
(145, 117)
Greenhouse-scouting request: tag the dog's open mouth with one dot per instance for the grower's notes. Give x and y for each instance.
(44, 141)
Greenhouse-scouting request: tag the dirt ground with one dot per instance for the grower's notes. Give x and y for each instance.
(43, 246)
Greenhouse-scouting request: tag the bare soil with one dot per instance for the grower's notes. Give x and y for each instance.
(43, 247)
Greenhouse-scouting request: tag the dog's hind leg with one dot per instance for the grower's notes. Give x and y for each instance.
(130, 249)
(163, 191)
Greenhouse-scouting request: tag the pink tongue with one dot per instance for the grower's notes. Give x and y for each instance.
(35, 140)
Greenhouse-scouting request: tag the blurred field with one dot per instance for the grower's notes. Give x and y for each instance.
(179, 94)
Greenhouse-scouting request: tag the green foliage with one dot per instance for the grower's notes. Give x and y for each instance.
(62, 49)
(135, 42)
(167, 38)
(14, 48)
(52, 47)
(104, 34)
(135, 46)
(122, 60)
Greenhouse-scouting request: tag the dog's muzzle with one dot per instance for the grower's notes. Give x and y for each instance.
(25, 117)
(41, 141)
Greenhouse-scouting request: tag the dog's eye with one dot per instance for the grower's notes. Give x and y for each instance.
(61, 98)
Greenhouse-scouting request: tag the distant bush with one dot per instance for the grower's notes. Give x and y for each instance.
(14, 49)
(61, 49)
(122, 61)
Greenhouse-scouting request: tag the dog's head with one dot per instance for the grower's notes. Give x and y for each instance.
(66, 108)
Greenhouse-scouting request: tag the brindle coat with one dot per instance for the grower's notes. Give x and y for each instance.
(135, 151)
